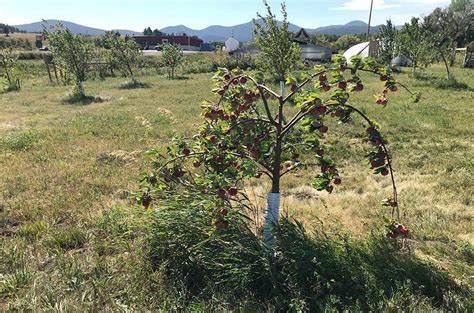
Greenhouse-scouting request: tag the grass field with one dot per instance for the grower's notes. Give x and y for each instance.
(70, 237)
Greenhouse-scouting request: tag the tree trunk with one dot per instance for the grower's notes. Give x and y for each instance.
(447, 66)
(81, 89)
(49, 73)
(272, 210)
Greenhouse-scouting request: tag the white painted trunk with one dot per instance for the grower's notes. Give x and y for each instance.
(271, 218)
(81, 88)
(282, 88)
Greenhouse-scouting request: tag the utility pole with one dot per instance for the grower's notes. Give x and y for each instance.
(370, 19)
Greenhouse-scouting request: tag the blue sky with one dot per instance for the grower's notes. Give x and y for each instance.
(197, 14)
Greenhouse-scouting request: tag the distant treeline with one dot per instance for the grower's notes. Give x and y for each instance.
(7, 29)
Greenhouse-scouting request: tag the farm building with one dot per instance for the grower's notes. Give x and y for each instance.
(309, 51)
(364, 49)
(190, 43)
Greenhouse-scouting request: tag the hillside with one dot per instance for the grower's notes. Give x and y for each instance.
(242, 32)
(37, 27)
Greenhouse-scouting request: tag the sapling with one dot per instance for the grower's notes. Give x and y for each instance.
(8, 64)
(123, 53)
(246, 134)
(71, 53)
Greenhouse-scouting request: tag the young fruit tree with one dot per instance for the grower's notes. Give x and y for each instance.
(71, 53)
(8, 64)
(123, 53)
(413, 42)
(252, 131)
(387, 40)
(279, 54)
(172, 56)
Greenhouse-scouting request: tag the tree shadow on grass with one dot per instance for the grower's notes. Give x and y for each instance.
(179, 78)
(83, 99)
(134, 85)
(442, 82)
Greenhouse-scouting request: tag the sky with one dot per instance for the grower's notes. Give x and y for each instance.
(197, 14)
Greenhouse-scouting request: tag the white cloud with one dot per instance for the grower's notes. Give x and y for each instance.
(364, 5)
(426, 1)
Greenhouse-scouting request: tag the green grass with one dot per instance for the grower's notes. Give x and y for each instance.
(71, 239)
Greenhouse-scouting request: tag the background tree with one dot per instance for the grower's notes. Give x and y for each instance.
(156, 32)
(346, 41)
(172, 56)
(461, 13)
(6, 31)
(441, 35)
(413, 43)
(147, 31)
(387, 40)
(71, 53)
(123, 53)
(8, 64)
(279, 55)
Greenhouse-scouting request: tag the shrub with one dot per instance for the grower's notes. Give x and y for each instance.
(19, 141)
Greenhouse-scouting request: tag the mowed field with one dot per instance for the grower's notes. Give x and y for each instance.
(70, 235)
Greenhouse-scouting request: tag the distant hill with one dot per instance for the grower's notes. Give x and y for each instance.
(242, 32)
(351, 28)
(75, 28)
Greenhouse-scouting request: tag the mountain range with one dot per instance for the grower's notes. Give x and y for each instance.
(242, 32)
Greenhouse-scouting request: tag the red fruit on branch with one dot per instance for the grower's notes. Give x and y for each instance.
(221, 92)
(359, 87)
(221, 193)
(223, 212)
(186, 151)
(384, 172)
(235, 82)
(383, 77)
(377, 163)
(329, 188)
(294, 88)
(243, 80)
(213, 138)
(227, 76)
(339, 112)
(337, 181)
(326, 87)
(232, 191)
(146, 200)
(323, 129)
(248, 97)
(322, 78)
(319, 110)
(320, 152)
(370, 130)
(394, 88)
(196, 164)
(384, 101)
(342, 85)
(324, 168)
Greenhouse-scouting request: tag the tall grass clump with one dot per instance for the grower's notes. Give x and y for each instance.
(306, 271)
